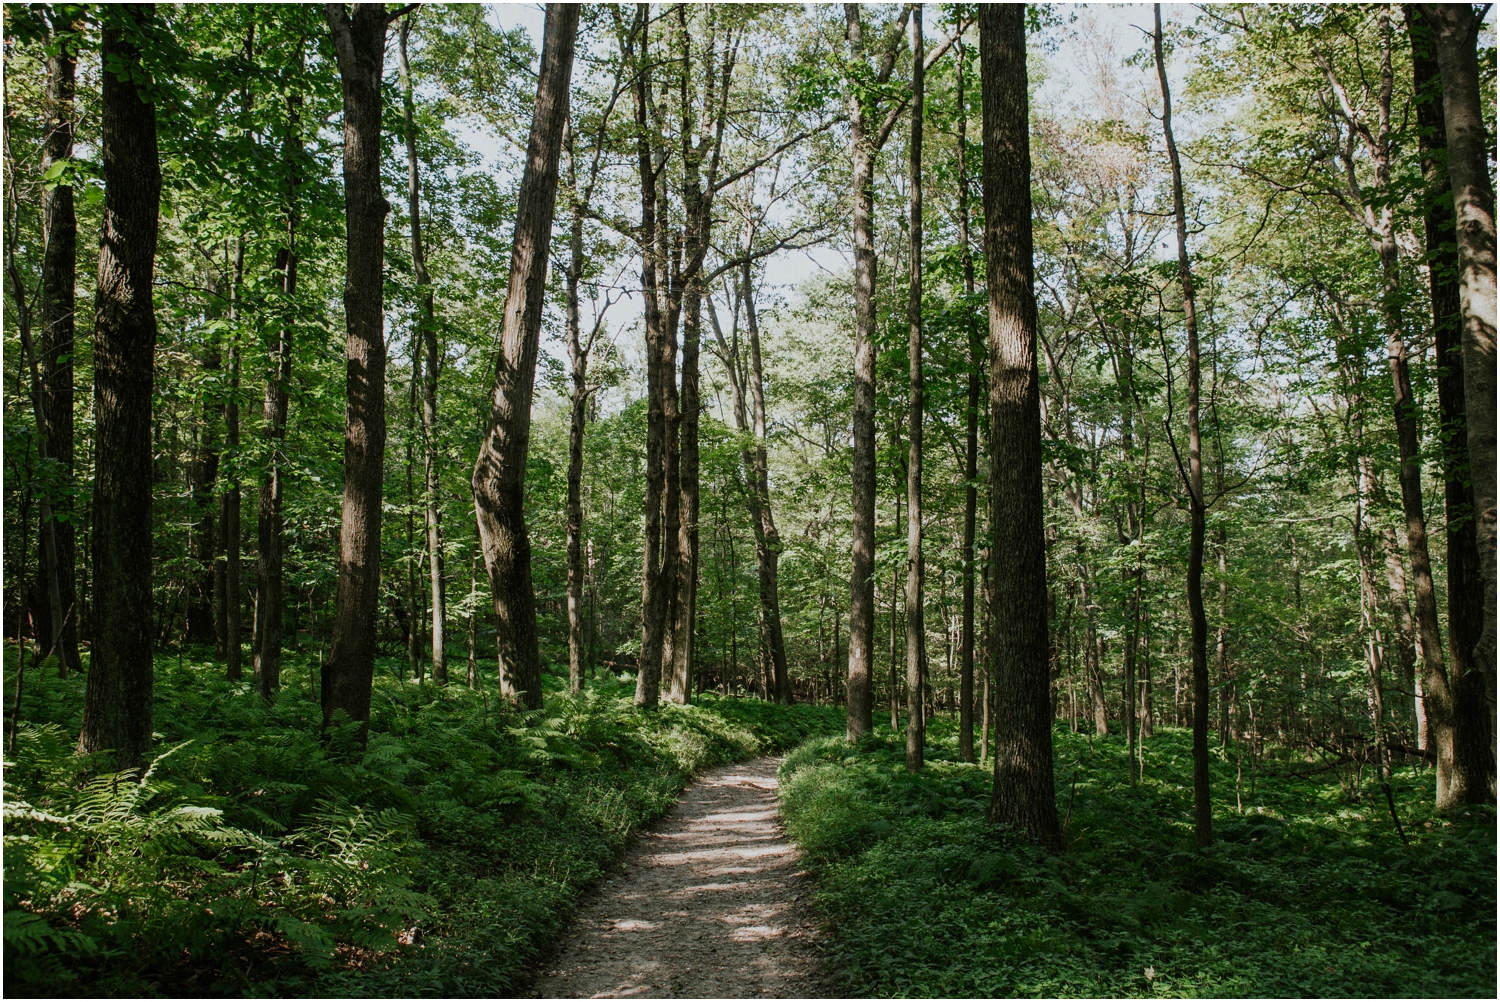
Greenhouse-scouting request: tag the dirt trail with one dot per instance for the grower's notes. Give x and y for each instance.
(712, 904)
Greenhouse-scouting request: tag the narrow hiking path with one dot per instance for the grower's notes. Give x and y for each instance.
(711, 904)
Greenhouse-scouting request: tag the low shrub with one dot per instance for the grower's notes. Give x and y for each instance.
(1306, 892)
(252, 857)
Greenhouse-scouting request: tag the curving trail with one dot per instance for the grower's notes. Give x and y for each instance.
(711, 904)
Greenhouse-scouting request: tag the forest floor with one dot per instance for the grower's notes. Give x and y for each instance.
(711, 902)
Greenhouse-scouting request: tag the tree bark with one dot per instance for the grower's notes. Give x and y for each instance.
(55, 340)
(1023, 790)
(653, 571)
(916, 629)
(117, 711)
(578, 360)
(500, 473)
(864, 146)
(1455, 30)
(971, 438)
(427, 330)
(768, 538)
(1473, 740)
(1202, 806)
(687, 541)
(229, 502)
(347, 676)
(270, 530)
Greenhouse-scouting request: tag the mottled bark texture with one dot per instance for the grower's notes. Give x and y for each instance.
(1023, 790)
(916, 627)
(359, 42)
(1473, 777)
(117, 711)
(1456, 30)
(866, 137)
(499, 478)
(1202, 806)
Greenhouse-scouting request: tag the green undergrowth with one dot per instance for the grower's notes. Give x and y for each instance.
(253, 858)
(1307, 891)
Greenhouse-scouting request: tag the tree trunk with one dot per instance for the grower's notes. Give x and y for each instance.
(916, 629)
(971, 437)
(578, 359)
(1202, 806)
(1221, 635)
(117, 711)
(500, 472)
(1023, 791)
(687, 540)
(229, 501)
(271, 532)
(359, 42)
(653, 584)
(767, 535)
(859, 716)
(427, 329)
(1474, 754)
(1403, 639)
(1456, 30)
(55, 340)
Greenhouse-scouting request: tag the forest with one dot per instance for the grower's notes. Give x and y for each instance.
(1062, 436)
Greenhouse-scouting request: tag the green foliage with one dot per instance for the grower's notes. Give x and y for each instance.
(251, 857)
(1305, 893)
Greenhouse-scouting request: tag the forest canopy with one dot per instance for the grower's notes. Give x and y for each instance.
(1052, 368)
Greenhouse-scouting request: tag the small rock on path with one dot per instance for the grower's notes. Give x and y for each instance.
(712, 903)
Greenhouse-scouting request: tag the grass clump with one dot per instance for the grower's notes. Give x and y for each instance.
(1308, 892)
(254, 858)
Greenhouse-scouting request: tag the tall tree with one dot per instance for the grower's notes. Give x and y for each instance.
(55, 336)
(580, 350)
(270, 530)
(1456, 31)
(867, 134)
(359, 44)
(971, 434)
(916, 627)
(1023, 790)
(117, 710)
(635, 43)
(426, 330)
(1473, 751)
(1202, 806)
(499, 478)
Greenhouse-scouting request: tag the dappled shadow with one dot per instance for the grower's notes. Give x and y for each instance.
(708, 905)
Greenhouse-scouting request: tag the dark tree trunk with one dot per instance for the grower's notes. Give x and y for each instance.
(427, 331)
(653, 571)
(55, 340)
(359, 42)
(117, 712)
(1202, 806)
(916, 628)
(500, 473)
(1023, 790)
(971, 439)
(1456, 32)
(1472, 706)
(270, 532)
